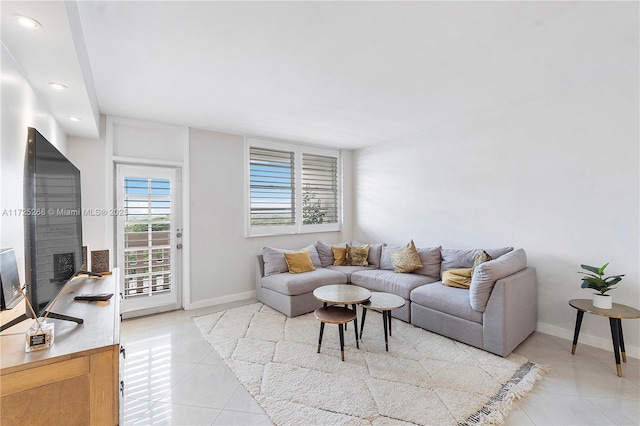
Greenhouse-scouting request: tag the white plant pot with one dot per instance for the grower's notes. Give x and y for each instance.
(602, 301)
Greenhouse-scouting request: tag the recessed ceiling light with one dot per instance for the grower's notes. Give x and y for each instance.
(74, 118)
(28, 22)
(57, 86)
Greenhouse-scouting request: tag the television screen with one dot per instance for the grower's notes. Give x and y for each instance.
(53, 221)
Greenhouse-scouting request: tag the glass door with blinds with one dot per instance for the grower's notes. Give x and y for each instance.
(148, 240)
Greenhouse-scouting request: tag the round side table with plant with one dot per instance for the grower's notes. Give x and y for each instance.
(594, 279)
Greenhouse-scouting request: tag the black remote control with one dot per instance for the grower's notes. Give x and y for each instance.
(102, 297)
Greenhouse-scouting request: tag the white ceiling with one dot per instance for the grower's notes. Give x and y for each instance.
(344, 74)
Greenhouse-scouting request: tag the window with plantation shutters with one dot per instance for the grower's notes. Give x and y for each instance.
(291, 188)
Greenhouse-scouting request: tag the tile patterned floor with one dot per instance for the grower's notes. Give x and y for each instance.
(173, 376)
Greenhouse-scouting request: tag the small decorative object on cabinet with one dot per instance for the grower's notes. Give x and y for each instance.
(100, 261)
(593, 279)
(85, 263)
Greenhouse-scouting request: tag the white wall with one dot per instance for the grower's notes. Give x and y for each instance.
(21, 108)
(89, 155)
(557, 174)
(223, 261)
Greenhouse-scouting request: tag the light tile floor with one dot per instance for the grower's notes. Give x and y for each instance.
(173, 376)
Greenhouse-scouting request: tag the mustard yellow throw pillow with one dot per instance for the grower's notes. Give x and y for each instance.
(339, 255)
(299, 262)
(357, 255)
(460, 278)
(406, 259)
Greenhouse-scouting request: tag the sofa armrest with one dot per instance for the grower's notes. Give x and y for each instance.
(512, 312)
(259, 275)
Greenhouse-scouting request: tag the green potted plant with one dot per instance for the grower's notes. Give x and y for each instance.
(594, 279)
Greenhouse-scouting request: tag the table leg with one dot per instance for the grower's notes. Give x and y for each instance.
(615, 334)
(389, 316)
(320, 339)
(364, 315)
(345, 324)
(384, 321)
(624, 353)
(577, 331)
(355, 325)
(341, 331)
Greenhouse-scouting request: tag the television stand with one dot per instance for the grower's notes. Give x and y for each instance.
(77, 379)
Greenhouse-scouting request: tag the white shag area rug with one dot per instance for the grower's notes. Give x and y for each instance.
(424, 379)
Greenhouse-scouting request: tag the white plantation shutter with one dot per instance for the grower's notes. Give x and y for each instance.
(319, 189)
(291, 188)
(272, 187)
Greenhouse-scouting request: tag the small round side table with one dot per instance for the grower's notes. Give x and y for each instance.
(385, 303)
(615, 315)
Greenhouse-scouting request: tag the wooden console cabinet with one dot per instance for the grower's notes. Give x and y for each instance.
(76, 381)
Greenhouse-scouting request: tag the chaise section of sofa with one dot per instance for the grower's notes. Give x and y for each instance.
(496, 313)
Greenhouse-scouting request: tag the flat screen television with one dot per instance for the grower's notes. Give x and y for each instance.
(52, 221)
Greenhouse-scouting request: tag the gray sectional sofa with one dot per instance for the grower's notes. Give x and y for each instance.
(496, 313)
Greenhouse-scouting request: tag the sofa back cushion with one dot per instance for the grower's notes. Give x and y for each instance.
(455, 259)
(275, 263)
(385, 257)
(431, 260)
(486, 274)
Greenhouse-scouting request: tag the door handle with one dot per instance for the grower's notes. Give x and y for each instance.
(179, 246)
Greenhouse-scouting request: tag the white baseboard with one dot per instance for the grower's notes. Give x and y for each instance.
(220, 300)
(586, 339)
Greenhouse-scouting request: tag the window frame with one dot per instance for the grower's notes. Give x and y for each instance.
(298, 227)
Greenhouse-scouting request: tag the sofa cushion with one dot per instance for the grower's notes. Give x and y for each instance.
(299, 262)
(449, 300)
(431, 260)
(375, 252)
(348, 270)
(295, 284)
(357, 255)
(385, 257)
(485, 276)
(389, 281)
(274, 262)
(454, 259)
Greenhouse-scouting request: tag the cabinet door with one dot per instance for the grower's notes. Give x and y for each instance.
(54, 393)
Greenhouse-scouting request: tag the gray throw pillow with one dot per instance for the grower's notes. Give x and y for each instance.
(275, 263)
(486, 274)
